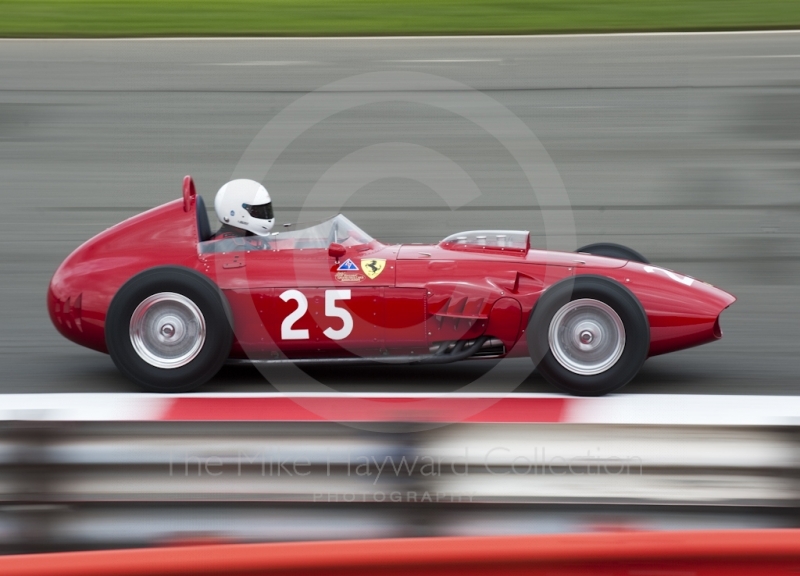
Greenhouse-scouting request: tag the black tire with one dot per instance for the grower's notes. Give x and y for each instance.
(610, 293)
(204, 295)
(610, 250)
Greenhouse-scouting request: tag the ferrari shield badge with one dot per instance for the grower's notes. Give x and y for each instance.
(373, 268)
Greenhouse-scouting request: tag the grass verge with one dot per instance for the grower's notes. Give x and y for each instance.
(114, 18)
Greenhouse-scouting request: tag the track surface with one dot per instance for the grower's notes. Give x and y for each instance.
(684, 147)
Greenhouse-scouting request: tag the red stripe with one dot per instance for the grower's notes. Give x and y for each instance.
(712, 553)
(356, 409)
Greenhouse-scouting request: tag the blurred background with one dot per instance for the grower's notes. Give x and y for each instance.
(682, 146)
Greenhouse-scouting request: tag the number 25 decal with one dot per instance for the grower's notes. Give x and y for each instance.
(288, 332)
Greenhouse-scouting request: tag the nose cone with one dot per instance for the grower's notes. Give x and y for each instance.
(684, 293)
(715, 298)
(717, 301)
(682, 311)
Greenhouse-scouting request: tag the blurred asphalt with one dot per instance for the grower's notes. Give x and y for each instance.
(685, 147)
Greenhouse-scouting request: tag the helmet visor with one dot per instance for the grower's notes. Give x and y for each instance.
(262, 211)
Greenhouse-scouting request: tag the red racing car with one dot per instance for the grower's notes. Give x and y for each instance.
(171, 303)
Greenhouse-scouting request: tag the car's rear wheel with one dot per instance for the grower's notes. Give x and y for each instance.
(588, 335)
(168, 329)
(610, 250)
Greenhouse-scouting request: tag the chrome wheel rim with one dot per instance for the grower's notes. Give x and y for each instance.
(587, 337)
(167, 330)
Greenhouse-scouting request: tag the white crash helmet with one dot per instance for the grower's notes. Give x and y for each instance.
(245, 204)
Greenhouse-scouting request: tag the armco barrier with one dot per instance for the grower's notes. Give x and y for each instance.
(102, 471)
(719, 553)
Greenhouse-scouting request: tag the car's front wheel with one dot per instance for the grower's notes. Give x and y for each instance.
(168, 329)
(588, 335)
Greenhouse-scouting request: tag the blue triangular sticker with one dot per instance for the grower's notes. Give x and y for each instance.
(348, 266)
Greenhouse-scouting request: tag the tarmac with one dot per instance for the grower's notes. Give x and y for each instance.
(682, 146)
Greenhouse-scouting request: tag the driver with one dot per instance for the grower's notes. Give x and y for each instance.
(244, 208)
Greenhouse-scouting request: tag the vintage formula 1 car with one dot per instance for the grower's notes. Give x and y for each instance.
(171, 303)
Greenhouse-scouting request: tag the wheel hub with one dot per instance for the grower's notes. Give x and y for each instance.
(587, 337)
(167, 330)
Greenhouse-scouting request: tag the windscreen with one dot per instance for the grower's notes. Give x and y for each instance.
(338, 229)
(318, 235)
